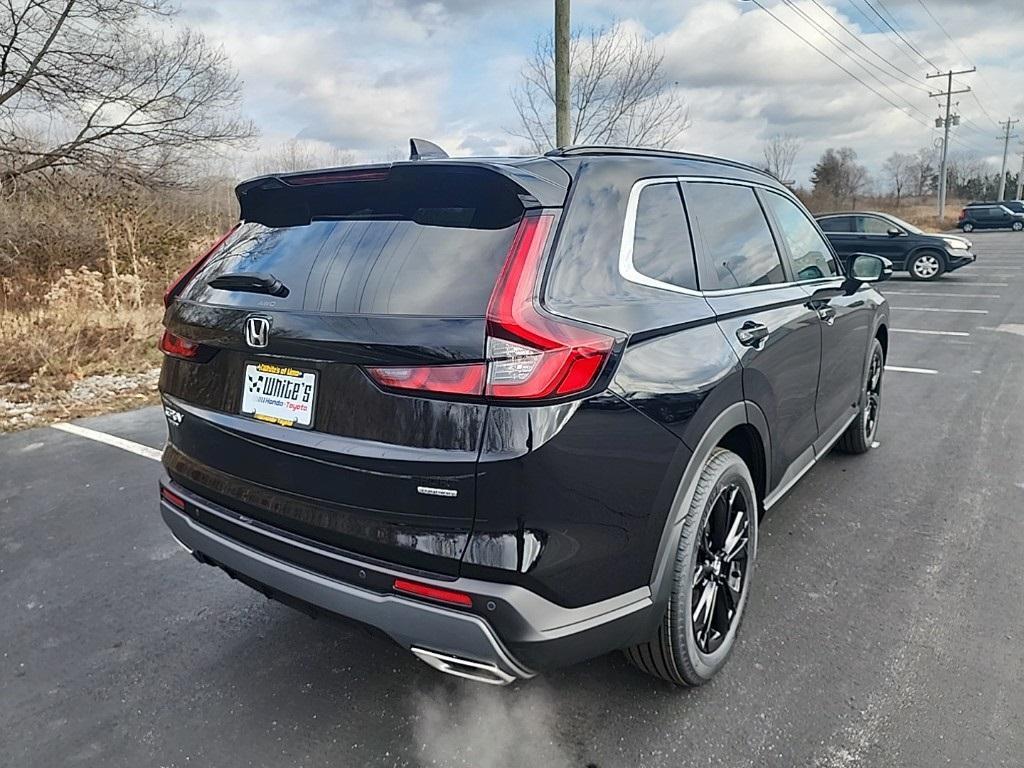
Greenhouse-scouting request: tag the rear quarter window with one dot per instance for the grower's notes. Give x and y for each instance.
(662, 249)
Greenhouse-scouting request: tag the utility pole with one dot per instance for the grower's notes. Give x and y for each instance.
(1020, 176)
(562, 39)
(948, 93)
(1008, 125)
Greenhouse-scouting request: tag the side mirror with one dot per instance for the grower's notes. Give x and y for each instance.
(869, 268)
(894, 232)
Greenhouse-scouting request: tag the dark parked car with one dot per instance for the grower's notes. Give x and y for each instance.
(990, 216)
(514, 412)
(1016, 206)
(923, 255)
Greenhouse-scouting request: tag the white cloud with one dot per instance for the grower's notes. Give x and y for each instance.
(364, 75)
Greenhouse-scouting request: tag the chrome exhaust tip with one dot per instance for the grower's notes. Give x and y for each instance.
(478, 671)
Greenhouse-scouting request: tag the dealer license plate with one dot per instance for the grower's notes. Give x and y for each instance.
(279, 394)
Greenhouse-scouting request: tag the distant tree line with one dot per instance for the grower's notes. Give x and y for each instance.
(839, 180)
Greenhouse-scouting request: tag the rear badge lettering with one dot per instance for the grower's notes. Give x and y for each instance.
(172, 415)
(426, 490)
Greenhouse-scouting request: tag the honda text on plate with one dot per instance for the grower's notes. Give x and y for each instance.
(514, 412)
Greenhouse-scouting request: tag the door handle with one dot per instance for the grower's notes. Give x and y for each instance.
(752, 334)
(827, 315)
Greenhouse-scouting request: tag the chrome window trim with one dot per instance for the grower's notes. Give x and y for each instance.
(628, 270)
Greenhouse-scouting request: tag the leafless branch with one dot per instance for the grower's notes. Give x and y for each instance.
(93, 84)
(618, 92)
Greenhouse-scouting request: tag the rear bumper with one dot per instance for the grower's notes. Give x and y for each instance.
(508, 634)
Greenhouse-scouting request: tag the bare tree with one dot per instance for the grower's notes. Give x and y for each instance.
(780, 153)
(922, 172)
(618, 94)
(300, 155)
(94, 84)
(899, 169)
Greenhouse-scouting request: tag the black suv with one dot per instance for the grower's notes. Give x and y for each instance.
(514, 412)
(923, 255)
(990, 216)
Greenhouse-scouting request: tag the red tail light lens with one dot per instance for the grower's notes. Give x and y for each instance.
(181, 280)
(443, 379)
(176, 346)
(529, 355)
(434, 593)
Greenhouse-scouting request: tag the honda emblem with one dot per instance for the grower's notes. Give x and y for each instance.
(257, 331)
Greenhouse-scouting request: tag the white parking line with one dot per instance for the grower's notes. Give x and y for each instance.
(900, 369)
(118, 442)
(962, 281)
(929, 333)
(949, 295)
(943, 309)
(995, 266)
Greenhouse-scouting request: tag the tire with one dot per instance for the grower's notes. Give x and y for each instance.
(860, 435)
(1018, 226)
(968, 227)
(927, 265)
(682, 652)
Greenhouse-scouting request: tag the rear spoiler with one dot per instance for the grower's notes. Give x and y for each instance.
(288, 198)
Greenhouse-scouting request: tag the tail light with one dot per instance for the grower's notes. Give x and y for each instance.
(181, 280)
(176, 346)
(963, 213)
(529, 355)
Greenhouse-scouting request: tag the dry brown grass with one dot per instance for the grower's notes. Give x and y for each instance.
(80, 306)
(920, 213)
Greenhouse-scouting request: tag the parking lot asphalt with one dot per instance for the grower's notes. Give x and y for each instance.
(885, 626)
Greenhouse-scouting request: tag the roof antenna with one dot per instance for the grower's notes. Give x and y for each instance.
(421, 149)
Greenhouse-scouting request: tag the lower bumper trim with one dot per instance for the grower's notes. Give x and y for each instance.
(463, 644)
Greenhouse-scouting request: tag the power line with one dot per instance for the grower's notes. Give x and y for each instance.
(966, 58)
(881, 30)
(914, 81)
(840, 66)
(896, 30)
(855, 57)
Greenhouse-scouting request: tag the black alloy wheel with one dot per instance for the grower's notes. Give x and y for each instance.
(720, 570)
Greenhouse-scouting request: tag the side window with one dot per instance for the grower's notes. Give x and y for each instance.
(661, 239)
(812, 258)
(738, 249)
(836, 224)
(872, 225)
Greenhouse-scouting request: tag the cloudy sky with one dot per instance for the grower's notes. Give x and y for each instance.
(364, 75)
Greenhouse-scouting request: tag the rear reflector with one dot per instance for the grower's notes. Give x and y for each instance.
(182, 280)
(530, 355)
(176, 346)
(434, 593)
(173, 498)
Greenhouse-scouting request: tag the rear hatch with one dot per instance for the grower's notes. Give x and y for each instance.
(296, 352)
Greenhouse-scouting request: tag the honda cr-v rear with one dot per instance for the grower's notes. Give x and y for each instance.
(402, 394)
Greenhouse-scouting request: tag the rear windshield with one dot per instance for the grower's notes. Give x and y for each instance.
(388, 250)
(362, 267)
